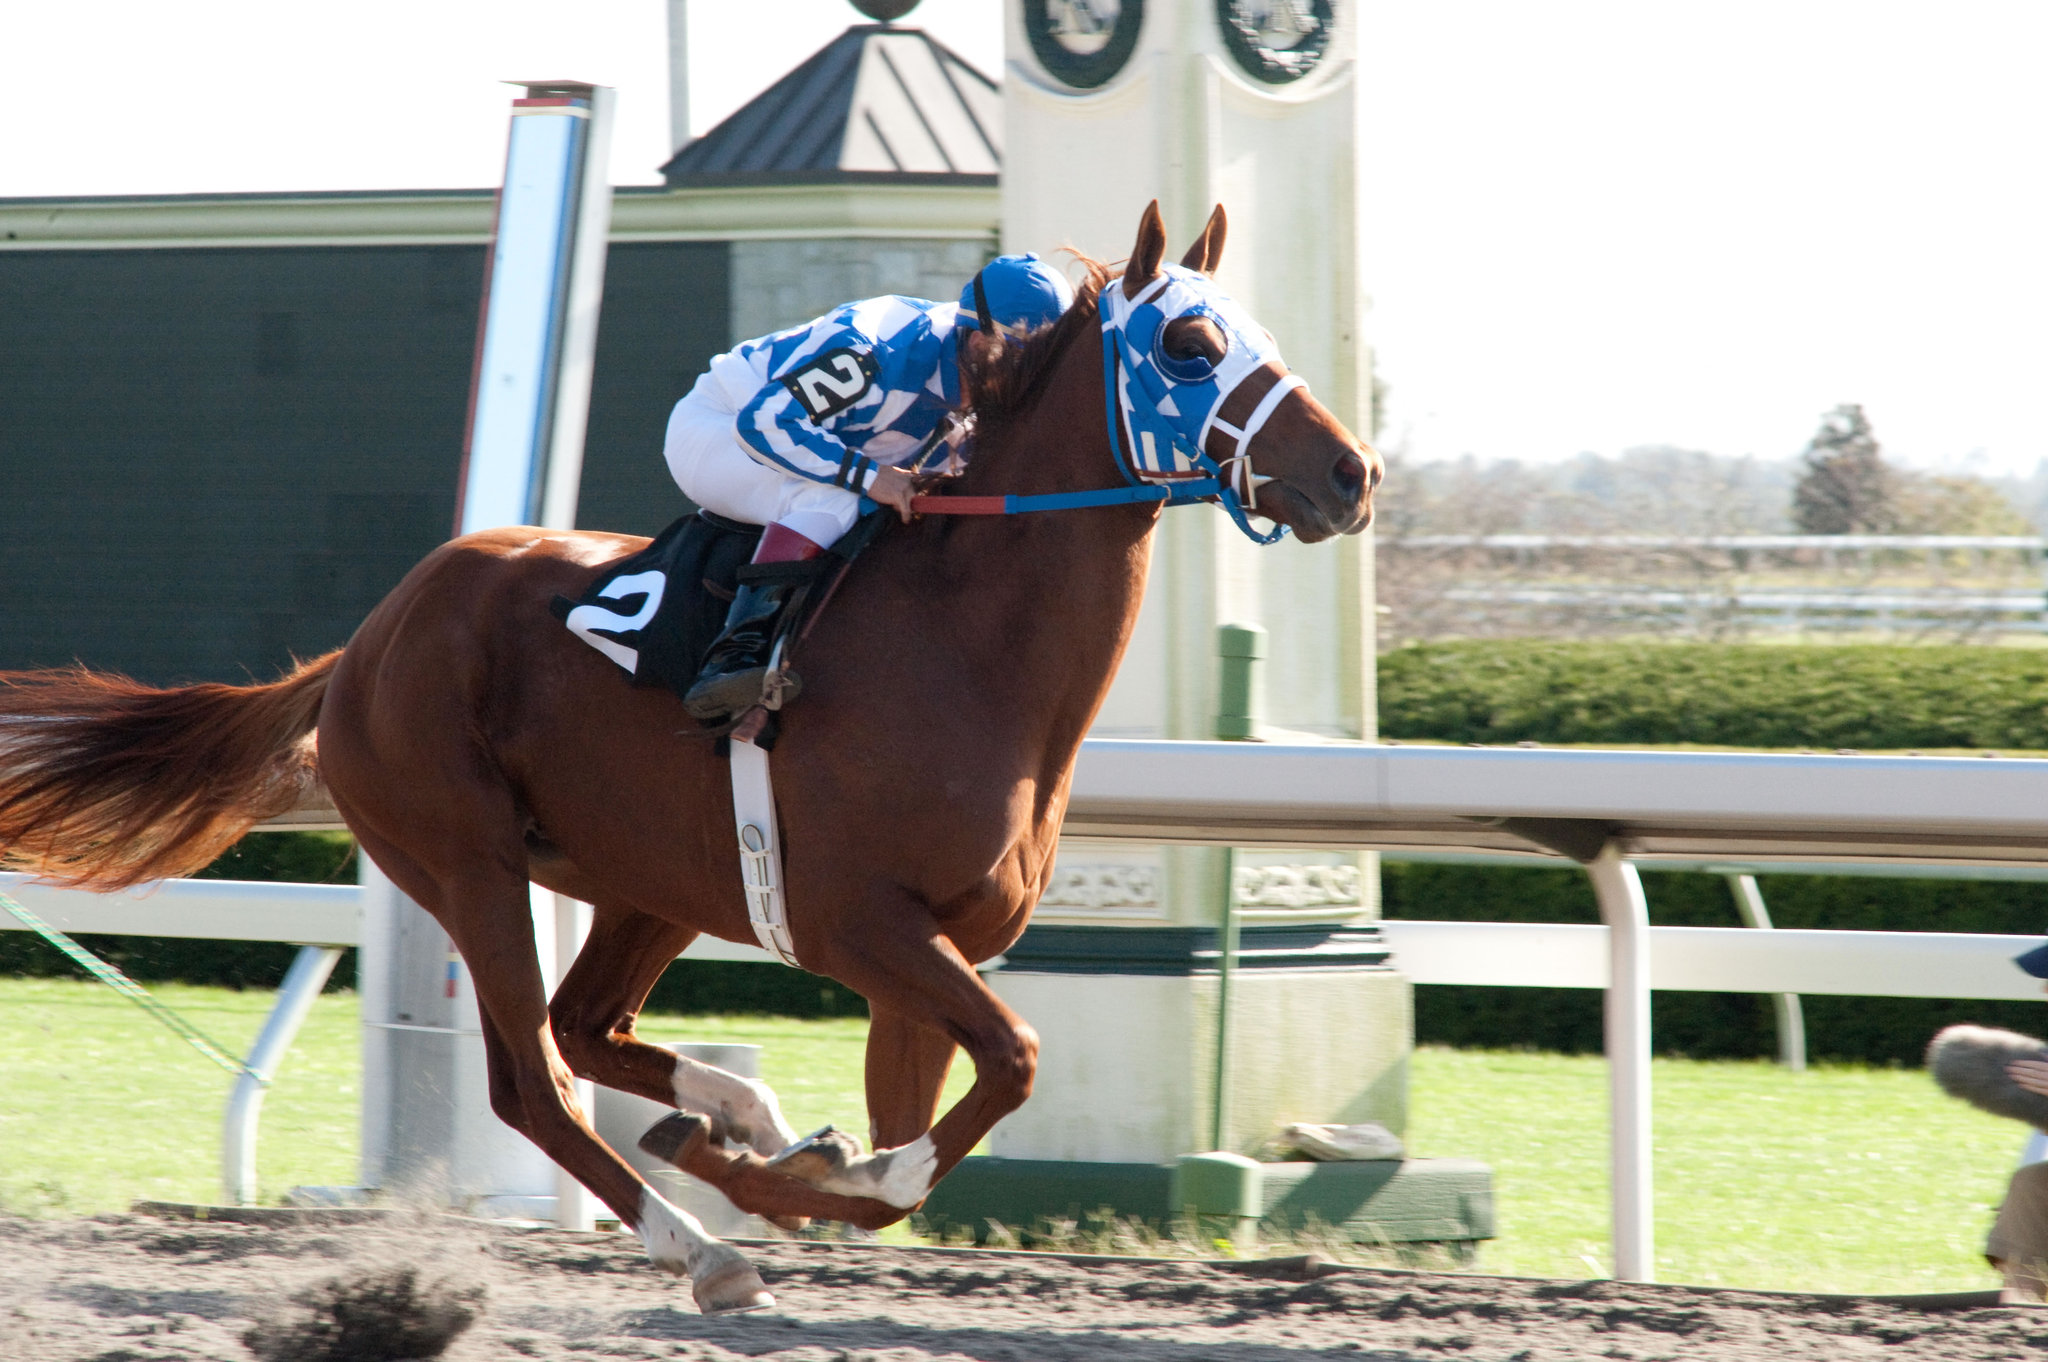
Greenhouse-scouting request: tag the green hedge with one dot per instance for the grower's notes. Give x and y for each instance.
(289, 857)
(1735, 695)
(1711, 1025)
(737, 986)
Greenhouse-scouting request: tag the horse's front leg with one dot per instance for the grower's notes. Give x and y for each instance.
(926, 998)
(907, 1066)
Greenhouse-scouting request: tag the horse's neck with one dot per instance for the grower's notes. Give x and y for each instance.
(1060, 444)
(1062, 587)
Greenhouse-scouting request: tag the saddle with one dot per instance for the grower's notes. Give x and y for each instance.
(656, 613)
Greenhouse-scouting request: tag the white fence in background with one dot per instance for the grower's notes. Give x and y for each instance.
(1607, 811)
(1963, 583)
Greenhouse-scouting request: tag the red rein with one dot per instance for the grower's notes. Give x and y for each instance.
(928, 505)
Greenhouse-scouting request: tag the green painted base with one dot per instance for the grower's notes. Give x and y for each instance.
(1380, 1202)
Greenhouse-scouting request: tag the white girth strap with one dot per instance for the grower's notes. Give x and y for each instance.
(753, 810)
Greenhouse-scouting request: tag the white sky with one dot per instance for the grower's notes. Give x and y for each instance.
(1594, 224)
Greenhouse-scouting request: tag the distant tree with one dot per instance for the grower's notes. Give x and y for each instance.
(1956, 505)
(1844, 485)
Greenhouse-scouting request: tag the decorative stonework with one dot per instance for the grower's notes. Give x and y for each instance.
(1127, 889)
(1297, 886)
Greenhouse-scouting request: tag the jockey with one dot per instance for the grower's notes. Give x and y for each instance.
(791, 430)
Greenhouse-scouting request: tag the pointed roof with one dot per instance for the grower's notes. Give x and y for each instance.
(876, 103)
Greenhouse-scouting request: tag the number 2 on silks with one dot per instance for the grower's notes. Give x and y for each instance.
(830, 383)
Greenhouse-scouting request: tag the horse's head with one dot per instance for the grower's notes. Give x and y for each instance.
(1193, 371)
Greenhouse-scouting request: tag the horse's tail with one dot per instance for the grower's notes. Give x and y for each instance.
(106, 783)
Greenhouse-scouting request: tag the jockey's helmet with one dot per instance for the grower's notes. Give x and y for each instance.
(1016, 293)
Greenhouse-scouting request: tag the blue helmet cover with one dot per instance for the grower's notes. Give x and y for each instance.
(1019, 292)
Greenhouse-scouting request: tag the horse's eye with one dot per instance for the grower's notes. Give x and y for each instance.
(1196, 342)
(1190, 348)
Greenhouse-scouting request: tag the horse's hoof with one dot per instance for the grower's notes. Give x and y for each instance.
(674, 1135)
(817, 1157)
(731, 1287)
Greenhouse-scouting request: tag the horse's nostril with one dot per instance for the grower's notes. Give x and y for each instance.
(1376, 471)
(1349, 476)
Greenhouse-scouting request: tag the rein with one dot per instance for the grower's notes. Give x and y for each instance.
(1053, 501)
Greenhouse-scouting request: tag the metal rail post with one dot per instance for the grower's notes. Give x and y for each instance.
(1226, 965)
(1627, 1006)
(1749, 901)
(575, 1207)
(302, 984)
(1240, 711)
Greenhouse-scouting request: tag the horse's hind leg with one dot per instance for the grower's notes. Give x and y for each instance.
(486, 912)
(594, 1009)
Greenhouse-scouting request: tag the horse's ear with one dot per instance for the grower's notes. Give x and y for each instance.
(1146, 255)
(1207, 252)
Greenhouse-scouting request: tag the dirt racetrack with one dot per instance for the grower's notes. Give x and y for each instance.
(127, 1288)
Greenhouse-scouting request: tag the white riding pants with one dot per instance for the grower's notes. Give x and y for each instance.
(714, 470)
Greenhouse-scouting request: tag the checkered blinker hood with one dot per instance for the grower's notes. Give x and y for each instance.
(1164, 408)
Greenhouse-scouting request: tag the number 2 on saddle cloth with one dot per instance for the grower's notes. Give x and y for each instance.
(656, 613)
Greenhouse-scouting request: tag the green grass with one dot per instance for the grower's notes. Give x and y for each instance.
(100, 1105)
(1847, 1179)
(1841, 1179)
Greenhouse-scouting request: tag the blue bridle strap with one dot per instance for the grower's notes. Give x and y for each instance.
(1179, 494)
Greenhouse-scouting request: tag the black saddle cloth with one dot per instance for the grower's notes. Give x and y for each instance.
(656, 613)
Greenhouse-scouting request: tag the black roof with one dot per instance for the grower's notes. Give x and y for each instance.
(877, 102)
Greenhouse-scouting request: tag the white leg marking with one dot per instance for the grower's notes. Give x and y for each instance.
(675, 1240)
(741, 1109)
(899, 1176)
(721, 1279)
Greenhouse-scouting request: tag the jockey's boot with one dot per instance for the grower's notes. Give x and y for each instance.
(730, 679)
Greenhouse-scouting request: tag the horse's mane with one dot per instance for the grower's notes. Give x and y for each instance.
(1004, 379)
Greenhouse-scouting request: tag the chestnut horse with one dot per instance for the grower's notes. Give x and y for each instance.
(473, 745)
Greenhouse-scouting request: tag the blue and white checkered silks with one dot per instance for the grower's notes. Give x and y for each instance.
(1162, 409)
(865, 386)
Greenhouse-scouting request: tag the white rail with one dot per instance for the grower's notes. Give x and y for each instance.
(1720, 959)
(216, 910)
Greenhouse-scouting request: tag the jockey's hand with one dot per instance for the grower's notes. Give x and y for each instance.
(2031, 1074)
(893, 487)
